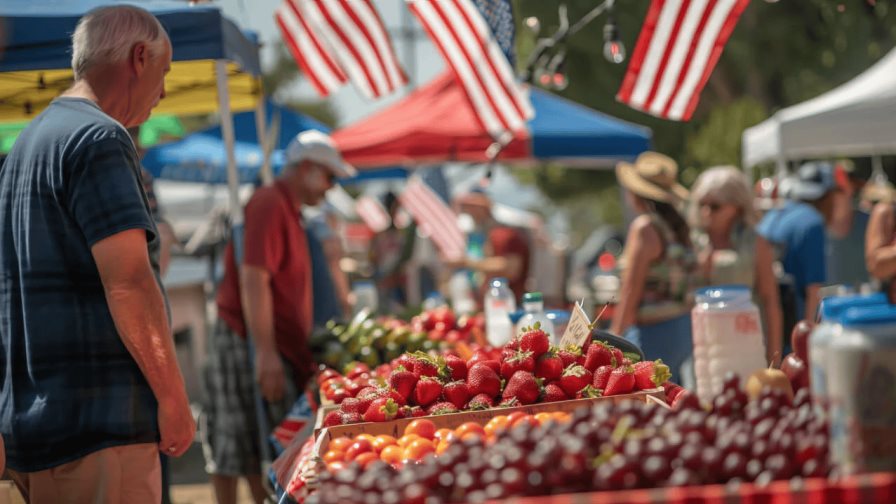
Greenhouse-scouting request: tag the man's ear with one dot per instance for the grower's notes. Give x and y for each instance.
(139, 57)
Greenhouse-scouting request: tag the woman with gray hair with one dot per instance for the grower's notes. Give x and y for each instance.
(729, 250)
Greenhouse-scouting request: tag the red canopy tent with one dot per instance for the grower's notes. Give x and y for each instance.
(433, 120)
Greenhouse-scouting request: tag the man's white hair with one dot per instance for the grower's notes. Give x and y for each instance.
(108, 34)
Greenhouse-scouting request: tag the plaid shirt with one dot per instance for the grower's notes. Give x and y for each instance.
(70, 387)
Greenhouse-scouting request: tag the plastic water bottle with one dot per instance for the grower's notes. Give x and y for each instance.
(499, 304)
(461, 290)
(533, 306)
(727, 333)
(828, 328)
(861, 369)
(365, 296)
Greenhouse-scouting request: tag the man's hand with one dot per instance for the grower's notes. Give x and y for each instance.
(176, 427)
(270, 375)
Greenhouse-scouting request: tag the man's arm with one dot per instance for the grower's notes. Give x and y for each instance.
(138, 310)
(258, 310)
(880, 253)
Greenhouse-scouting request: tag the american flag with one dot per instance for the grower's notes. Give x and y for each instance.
(336, 40)
(433, 215)
(466, 41)
(373, 213)
(678, 47)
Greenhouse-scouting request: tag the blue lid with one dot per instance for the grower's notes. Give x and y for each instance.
(516, 316)
(883, 315)
(558, 316)
(833, 307)
(532, 297)
(500, 280)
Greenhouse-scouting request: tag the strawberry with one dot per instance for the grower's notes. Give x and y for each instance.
(508, 353)
(574, 379)
(510, 402)
(404, 360)
(349, 418)
(403, 382)
(513, 344)
(368, 392)
(553, 392)
(622, 381)
(523, 386)
(535, 340)
(355, 405)
(356, 369)
(651, 374)
(685, 399)
(672, 391)
(569, 355)
(588, 392)
(333, 418)
(478, 356)
(457, 393)
(599, 354)
(481, 401)
(549, 367)
(457, 366)
(425, 365)
(410, 412)
(427, 391)
(381, 410)
(482, 379)
(520, 361)
(441, 408)
(493, 364)
(602, 376)
(617, 354)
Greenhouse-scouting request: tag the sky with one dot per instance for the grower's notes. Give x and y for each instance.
(421, 65)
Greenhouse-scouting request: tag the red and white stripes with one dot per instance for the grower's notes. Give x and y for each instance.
(678, 47)
(337, 40)
(434, 218)
(373, 213)
(468, 45)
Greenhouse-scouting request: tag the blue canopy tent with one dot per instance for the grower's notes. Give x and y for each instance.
(200, 157)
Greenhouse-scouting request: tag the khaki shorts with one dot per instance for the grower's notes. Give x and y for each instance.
(129, 473)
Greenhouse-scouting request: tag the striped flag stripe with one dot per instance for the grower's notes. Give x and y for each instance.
(678, 47)
(372, 213)
(355, 38)
(365, 17)
(345, 53)
(434, 218)
(465, 40)
(308, 50)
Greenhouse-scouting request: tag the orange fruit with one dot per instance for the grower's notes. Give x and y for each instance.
(369, 437)
(544, 417)
(335, 467)
(442, 446)
(469, 428)
(383, 441)
(561, 416)
(418, 449)
(365, 459)
(333, 456)
(340, 444)
(524, 420)
(496, 425)
(358, 447)
(392, 454)
(516, 415)
(421, 427)
(442, 433)
(407, 439)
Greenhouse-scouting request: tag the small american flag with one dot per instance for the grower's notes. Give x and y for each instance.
(433, 216)
(336, 40)
(499, 16)
(678, 47)
(373, 213)
(466, 41)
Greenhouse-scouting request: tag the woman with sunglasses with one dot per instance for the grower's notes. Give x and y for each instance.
(655, 298)
(729, 250)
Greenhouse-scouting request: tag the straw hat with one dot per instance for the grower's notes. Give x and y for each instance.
(652, 176)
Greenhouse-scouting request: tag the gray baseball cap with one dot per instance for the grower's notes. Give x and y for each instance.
(316, 146)
(810, 182)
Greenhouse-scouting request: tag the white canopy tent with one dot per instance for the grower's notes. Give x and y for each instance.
(857, 118)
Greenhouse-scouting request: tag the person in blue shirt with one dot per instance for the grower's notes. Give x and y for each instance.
(91, 388)
(798, 232)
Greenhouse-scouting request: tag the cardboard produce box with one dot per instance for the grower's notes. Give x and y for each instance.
(396, 428)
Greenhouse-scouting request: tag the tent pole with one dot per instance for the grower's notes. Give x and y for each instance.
(267, 175)
(233, 178)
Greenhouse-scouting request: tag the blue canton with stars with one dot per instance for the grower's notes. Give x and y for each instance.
(499, 16)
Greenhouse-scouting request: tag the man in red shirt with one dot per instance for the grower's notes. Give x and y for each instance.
(269, 296)
(506, 249)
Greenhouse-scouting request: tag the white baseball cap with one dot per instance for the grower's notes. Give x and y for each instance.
(318, 147)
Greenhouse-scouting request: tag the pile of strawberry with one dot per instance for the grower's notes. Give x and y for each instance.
(527, 371)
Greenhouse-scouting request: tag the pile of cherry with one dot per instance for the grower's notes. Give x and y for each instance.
(609, 447)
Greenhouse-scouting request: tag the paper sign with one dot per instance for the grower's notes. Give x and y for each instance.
(578, 330)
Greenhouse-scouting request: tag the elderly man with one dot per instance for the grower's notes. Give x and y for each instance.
(269, 298)
(91, 388)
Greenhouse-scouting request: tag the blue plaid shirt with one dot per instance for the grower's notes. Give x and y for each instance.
(69, 386)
